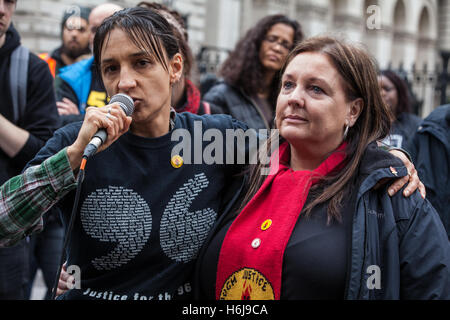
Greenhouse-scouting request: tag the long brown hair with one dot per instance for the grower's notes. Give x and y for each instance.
(359, 73)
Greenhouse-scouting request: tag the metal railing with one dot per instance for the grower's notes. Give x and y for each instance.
(422, 80)
(209, 59)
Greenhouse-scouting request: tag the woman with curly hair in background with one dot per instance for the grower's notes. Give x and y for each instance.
(250, 73)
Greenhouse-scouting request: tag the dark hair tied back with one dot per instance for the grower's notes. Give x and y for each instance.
(147, 29)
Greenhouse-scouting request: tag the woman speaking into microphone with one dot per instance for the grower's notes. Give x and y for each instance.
(143, 213)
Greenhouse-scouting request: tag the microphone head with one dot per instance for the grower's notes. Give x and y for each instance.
(125, 102)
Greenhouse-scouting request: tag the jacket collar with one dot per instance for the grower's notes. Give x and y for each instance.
(12, 41)
(377, 164)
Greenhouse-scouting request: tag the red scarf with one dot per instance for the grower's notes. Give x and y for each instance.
(192, 103)
(251, 257)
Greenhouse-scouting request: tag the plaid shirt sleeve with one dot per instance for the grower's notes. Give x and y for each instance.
(26, 197)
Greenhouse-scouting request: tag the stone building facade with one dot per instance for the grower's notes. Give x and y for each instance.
(410, 35)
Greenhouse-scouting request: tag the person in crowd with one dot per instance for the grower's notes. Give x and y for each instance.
(250, 73)
(396, 95)
(46, 247)
(137, 54)
(321, 226)
(28, 117)
(185, 95)
(80, 84)
(75, 40)
(155, 214)
(430, 151)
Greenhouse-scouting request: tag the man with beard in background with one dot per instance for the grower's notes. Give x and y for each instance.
(80, 85)
(75, 40)
(46, 247)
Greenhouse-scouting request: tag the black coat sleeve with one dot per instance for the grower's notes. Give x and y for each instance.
(424, 255)
(65, 91)
(217, 100)
(431, 158)
(40, 118)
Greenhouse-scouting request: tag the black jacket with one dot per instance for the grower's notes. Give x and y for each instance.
(56, 54)
(233, 101)
(404, 237)
(405, 126)
(40, 118)
(430, 150)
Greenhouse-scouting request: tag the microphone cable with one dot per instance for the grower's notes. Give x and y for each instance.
(127, 105)
(80, 179)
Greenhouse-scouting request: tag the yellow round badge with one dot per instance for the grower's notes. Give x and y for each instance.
(266, 224)
(176, 161)
(247, 284)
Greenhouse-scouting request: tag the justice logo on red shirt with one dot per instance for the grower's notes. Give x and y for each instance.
(247, 284)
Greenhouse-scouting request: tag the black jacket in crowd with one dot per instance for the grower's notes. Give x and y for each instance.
(40, 117)
(405, 126)
(233, 101)
(430, 150)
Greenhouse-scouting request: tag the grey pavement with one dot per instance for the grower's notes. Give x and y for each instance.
(39, 289)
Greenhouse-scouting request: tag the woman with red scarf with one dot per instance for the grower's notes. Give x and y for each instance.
(323, 224)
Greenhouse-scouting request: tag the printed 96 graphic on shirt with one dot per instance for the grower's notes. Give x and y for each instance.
(75, 272)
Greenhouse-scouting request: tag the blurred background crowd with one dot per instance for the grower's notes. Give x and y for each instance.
(409, 37)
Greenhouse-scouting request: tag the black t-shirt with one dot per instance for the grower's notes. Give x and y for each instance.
(140, 220)
(315, 260)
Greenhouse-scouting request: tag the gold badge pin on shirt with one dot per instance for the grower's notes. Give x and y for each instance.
(266, 224)
(176, 161)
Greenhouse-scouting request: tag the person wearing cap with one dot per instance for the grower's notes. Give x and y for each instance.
(46, 246)
(80, 84)
(75, 40)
